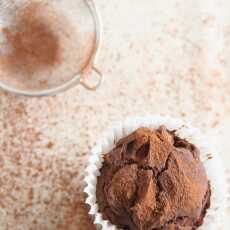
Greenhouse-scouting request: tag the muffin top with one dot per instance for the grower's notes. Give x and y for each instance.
(153, 179)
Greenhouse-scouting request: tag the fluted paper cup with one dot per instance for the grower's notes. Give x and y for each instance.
(214, 168)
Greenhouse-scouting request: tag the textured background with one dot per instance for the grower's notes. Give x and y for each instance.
(159, 57)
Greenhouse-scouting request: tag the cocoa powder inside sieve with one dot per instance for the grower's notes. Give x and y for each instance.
(32, 42)
(46, 45)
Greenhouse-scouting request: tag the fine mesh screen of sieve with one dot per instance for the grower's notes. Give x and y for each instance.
(45, 44)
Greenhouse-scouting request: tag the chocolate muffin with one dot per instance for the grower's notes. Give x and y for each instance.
(153, 180)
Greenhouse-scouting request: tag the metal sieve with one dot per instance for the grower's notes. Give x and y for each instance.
(48, 46)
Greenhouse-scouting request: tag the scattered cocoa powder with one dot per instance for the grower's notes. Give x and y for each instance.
(50, 145)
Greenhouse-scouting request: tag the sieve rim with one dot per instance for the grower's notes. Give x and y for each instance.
(76, 79)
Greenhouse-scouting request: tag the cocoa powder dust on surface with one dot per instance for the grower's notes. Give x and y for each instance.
(33, 43)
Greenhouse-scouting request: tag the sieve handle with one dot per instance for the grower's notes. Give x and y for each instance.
(95, 86)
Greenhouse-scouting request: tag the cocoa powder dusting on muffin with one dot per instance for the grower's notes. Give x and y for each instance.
(153, 180)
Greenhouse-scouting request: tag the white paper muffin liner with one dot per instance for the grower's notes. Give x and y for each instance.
(214, 168)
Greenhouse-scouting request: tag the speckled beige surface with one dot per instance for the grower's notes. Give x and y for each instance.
(169, 58)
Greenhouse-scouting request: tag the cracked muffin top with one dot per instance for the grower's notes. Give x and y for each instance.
(153, 180)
